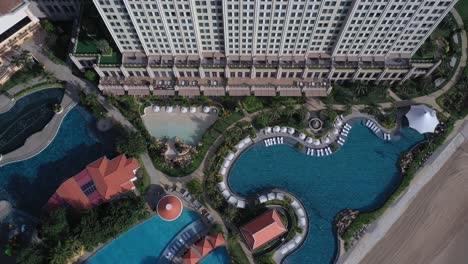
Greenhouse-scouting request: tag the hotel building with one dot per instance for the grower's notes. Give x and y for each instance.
(260, 47)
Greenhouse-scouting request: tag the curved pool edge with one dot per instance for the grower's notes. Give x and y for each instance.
(22, 153)
(354, 117)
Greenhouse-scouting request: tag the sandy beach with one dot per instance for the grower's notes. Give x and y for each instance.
(434, 228)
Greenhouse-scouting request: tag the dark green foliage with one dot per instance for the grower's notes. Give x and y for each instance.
(284, 115)
(64, 235)
(91, 102)
(47, 26)
(252, 104)
(358, 92)
(455, 101)
(132, 144)
(90, 75)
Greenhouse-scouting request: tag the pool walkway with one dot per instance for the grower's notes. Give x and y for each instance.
(37, 142)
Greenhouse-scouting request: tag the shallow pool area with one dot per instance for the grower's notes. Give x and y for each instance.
(29, 115)
(218, 256)
(361, 175)
(144, 243)
(186, 126)
(28, 184)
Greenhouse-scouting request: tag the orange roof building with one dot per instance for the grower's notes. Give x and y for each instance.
(169, 208)
(204, 247)
(100, 181)
(191, 257)
(263, 229)
(217, 240)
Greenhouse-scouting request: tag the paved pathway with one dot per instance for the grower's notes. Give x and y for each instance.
(17, 88)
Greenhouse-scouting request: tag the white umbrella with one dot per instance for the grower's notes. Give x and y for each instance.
(226, 163)
(184, 109)
(276, 129)
(169, 109)
(302, 136)
(206, 109)
(156, 108)
(335, 131)
(317, 142)
(326, 140)
(338, 122)
(284, 129)
(268, 129)
(193, 109)
(291, 130)
(309, 140)
(247, 140)
(422, 118)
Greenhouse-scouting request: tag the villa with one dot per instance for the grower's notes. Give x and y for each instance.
(263, 229)
(99, 182)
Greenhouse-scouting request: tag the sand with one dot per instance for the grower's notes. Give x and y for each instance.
(434, 228)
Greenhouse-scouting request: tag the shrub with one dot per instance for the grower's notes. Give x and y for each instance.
(90, 75)
(131, 143)
(252, 104)
(47, 26)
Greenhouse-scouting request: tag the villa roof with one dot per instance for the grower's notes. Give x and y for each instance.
(263, 229)
(169, 207)
(6, 6)
(204, 247)
(111, 177)
(191, 257)
(217, 240)
(100, 180)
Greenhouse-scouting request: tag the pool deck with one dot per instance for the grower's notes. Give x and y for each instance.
(37, 142)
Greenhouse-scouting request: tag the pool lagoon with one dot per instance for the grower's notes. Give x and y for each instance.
(189, 127)
(144, 243)
(28, 184)
(218, 256)
(361, 175)
(29, 115)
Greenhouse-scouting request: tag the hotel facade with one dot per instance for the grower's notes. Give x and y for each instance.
(261, 47)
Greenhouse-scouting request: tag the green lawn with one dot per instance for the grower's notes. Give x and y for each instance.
(462, 8)
(114, 58)
(86, 47)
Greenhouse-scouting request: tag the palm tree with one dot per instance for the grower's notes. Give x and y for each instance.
(361, 88)
(61, 253)
(373, 109)
(103, 46)
(49, 76)
(275, 111)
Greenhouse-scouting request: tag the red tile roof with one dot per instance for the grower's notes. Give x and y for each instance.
(191, 257)
(110, 177)
(204, 247)
(8, 5)
(169, 208)
(217, 240)
(263, 229)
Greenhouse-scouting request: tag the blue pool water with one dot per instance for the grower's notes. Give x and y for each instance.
(361, 175)
(218, 256)
(144, 243)
(29, 115)
(29, 184)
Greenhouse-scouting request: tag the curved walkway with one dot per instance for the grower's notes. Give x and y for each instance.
(37, 142)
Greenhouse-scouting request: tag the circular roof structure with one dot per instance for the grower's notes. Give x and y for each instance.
(169, 208)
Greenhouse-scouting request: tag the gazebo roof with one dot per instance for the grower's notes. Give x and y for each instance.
(217, 240)
(169, 207)
(422, 118)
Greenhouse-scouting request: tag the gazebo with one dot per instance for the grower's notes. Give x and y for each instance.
(169, 208)
(422, 119)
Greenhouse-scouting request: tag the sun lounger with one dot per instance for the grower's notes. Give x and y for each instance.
(274, 141)
(340, 142)
(280, 196)
(329, 150)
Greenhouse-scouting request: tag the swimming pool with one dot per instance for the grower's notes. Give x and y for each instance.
(29, 115)
(28, 184)
(188, 126)
(218, 256)
(144, 243)
(361, 175)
